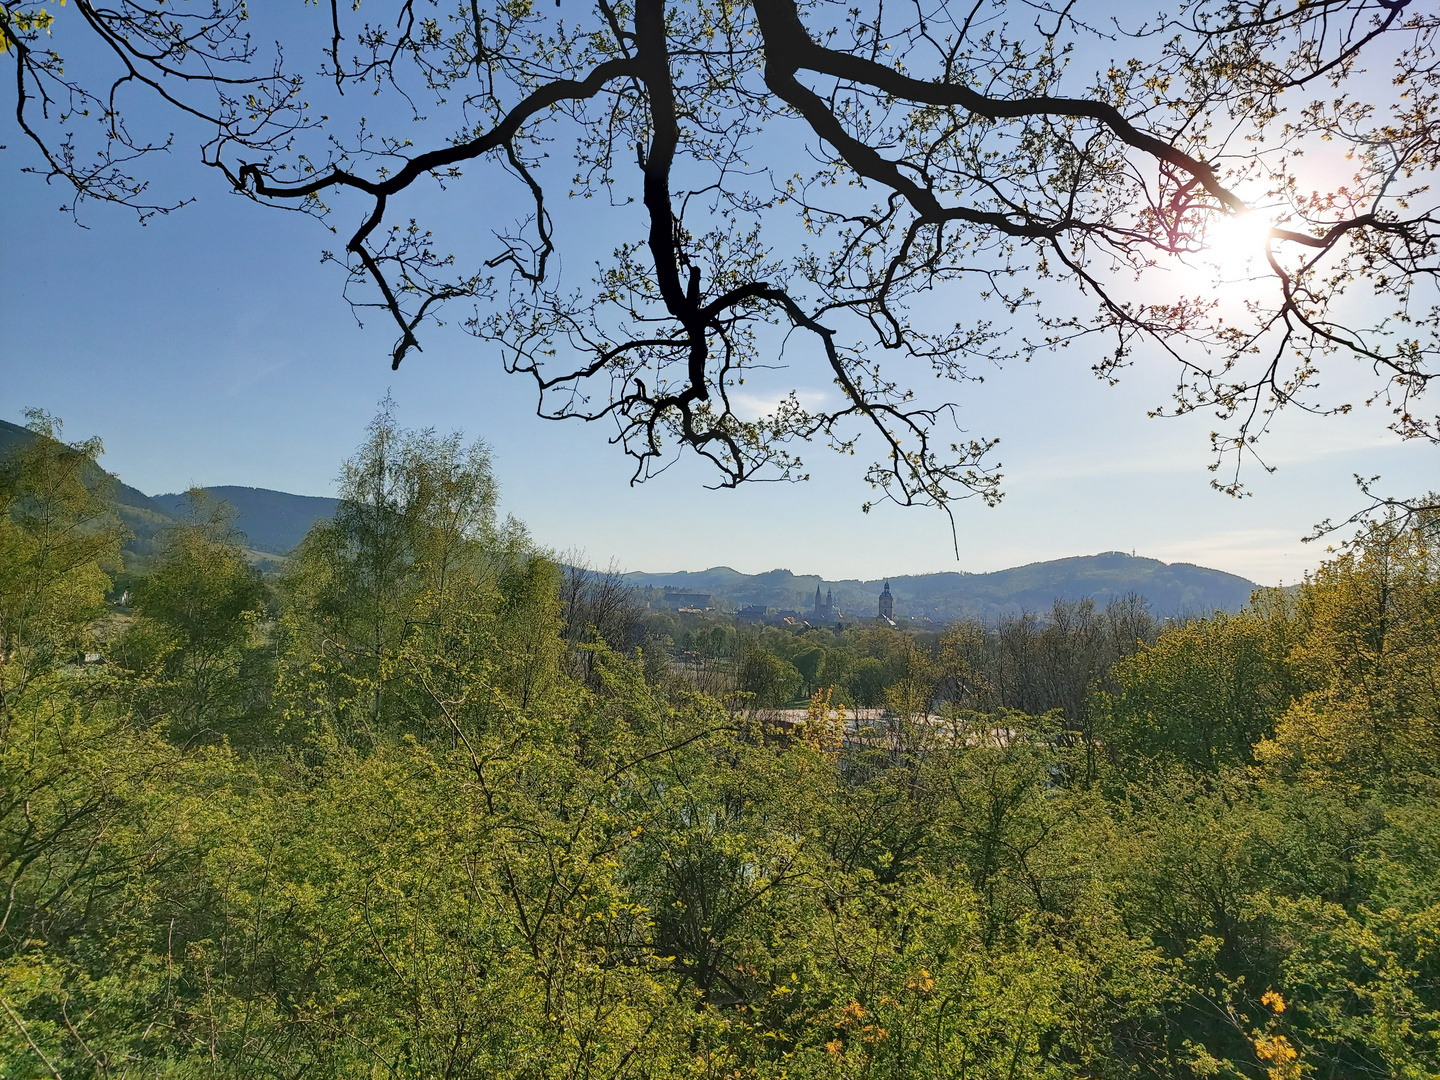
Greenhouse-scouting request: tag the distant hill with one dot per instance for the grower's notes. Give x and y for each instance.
(1170, 588)
(272, 521)
(14, 435)
(142, 515)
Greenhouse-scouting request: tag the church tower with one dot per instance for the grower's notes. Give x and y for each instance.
(824, 609)
(887, 604)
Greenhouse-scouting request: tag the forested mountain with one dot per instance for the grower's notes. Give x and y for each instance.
(1170, 588)
(272, 521)
(143, 516)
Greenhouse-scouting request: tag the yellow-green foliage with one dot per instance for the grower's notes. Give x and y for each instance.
(1370, 657)
(368, 827)
(1205, 692)
(58, 534)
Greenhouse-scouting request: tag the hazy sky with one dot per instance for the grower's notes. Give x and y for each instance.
(212, 347)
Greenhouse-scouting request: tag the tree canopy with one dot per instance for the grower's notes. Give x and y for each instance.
(1240, 186)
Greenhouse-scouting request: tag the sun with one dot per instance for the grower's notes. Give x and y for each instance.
(1233, 239)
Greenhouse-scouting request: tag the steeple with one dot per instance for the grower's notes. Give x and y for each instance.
(887, 604)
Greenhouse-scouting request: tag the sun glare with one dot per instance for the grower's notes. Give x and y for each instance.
(1236, 238)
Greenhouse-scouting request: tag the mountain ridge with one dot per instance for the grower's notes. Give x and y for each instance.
(274, 522)
(1179, 588)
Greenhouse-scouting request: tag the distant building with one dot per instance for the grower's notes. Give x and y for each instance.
(674, 600)
(758, 614)
(887, 604)
(824, 609)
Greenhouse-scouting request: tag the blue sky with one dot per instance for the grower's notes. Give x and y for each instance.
(212, 347)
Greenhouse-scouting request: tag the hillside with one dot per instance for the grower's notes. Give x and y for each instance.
(272, 521)
(1170, 588)
(142, 515)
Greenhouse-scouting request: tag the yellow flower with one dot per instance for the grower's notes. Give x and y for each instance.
(924, 982)
(1277, 1049)
(1274, 1048)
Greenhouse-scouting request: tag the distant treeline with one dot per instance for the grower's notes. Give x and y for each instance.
(1018, 662)
(428, 805)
